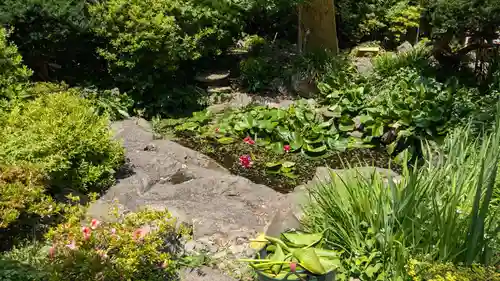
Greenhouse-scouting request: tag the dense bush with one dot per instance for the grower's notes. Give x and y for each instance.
(22, 191)
(442, 211)
(55, 39)
(388, 21)
(139, 246)
(148, 47)
(142, 246)
(449, 272)
(13, 74)
(61, 134)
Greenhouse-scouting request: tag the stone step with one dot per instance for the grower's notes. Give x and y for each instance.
(214, 78)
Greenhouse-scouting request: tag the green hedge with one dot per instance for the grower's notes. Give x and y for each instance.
(13, 74)
(61, 134)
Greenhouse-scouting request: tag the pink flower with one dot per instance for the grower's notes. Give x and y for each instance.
(113, 231)
(139, 234)
(287, 148)
(246, 161)
(293, 266)
(248, 140)
(72, 245)
(94, 223)
(86, 232)
(52, 252)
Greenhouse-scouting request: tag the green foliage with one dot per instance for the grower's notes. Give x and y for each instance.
(54, 38)
(25, 262)
(22, 191)
(461, 18)
(303, 126)
(441, 211)
(148, 46)
(304, 250)
(141, 246)
(388, 64)
(258, 73)
(13, 74)
(449, 272)
(61, 134)
(138, 246)
(384, 20)
(108, 102)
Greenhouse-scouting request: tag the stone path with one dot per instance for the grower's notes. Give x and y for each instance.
(225, 210)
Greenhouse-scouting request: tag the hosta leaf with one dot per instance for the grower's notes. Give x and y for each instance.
(377, 129)
(320, 252)
(284, 133)
(278, 256)
(296, 141)
(302, 239)
(372, 269)
(288, 164)
(226, 140)
(309, 260)
(274, 164)
(311, 148)
(276, 147)
(329, 264)
(346, 127)
(364, 119)
(341, 144)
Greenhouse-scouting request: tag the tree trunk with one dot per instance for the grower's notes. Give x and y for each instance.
(317, 27)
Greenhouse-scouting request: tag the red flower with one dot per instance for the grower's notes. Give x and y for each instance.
(246, 161)
(287, 148)
(86, 232)
(94, 223)
(217, 130)
(249, 140)
(293, 266)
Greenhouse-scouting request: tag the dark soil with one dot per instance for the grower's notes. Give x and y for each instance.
(228, 156)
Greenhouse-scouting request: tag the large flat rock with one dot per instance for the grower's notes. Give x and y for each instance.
(225, 210)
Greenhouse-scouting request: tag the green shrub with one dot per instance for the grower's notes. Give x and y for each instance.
(441, 211)
(55, 39)
(61, 134)
(141, 246)
(148, 46)
(257, 73)
(24, 262)
(422, 271)
(13, 74)
(22, 191)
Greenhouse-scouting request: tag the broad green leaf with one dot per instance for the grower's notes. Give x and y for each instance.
(377, 129)
(288, 164)
(363, 119)
(302, 239)
(274, 164)
(346, 127)
(372, 269)
(326, 253)
(309, 260)
(296, 141)
(310, 148)
(226, 140)
(278, 256)
(276, 147)
(329, 264)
